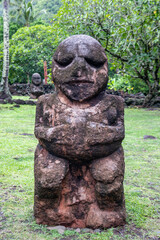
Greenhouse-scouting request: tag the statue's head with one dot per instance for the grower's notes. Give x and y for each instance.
(36, 79)
(80, 67)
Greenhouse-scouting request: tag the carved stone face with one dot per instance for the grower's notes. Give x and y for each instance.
(36, 79)
(80, 67)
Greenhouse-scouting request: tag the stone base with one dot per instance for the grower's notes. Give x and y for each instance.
(77, 206)
(46, 214)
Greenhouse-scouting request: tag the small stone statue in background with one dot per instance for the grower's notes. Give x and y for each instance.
(79, 161)
(36, 87)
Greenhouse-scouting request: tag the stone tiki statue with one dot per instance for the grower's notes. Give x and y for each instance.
(36, 87)
(79, 161)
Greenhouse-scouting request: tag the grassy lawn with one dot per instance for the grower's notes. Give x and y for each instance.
(21, 97)
(142, 190)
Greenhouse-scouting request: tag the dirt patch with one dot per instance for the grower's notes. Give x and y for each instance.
(23, 134)
(2, 217)
(31, 150)
(152, 109)
(73, 237)
(133, 230)
(26, 134)
(148, 137)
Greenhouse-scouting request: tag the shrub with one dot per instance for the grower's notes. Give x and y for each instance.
(127, 84)
(29, 47)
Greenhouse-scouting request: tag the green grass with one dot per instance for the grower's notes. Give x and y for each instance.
(142, 176)
(25, 98)
(21, 97)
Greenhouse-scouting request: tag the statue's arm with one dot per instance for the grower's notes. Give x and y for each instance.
(102, 132)
(42, 130)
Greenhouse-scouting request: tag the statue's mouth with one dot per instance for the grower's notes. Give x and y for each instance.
(77, 81)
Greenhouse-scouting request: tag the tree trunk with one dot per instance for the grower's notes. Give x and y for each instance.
(151, 96)
(28, 80)
(4, 89)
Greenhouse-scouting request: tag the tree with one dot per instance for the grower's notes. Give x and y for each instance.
(1, 9)
(22, 12)
(13, 27)
(46, 8)
(4, 89)
(129, 30)
(29, 47)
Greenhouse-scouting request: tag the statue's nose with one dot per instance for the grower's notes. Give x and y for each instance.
(80, 62)
(79, 66)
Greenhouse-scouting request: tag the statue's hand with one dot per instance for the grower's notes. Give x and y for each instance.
(101, 133)
(58, 134)
(55, 132)
(48, 133)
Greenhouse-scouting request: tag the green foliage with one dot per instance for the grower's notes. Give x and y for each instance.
(121, 83)
(22, 12)
(38, 21)
(29, 47)
(129, 30)
(127, 84)
(138, 86)
(46, 8)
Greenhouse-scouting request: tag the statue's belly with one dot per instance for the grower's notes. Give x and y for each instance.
(74, 142)
(81, 152)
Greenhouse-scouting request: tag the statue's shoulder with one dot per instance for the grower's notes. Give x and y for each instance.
(47, 99)
(118, 100)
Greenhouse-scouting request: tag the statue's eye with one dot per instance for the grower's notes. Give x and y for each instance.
(94, 63)
(64, 62)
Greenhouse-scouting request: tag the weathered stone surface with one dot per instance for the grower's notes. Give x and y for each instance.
(24, 89)
(79, 161)
(19, 89)
(97, 230)
(2, 101)
(36, 88)
(60, 229)
(19, 101)
(29, 102)
(155, 102)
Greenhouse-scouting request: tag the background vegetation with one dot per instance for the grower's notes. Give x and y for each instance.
(142, 175)
(29, 48)
(128, 30)
(46, 8)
